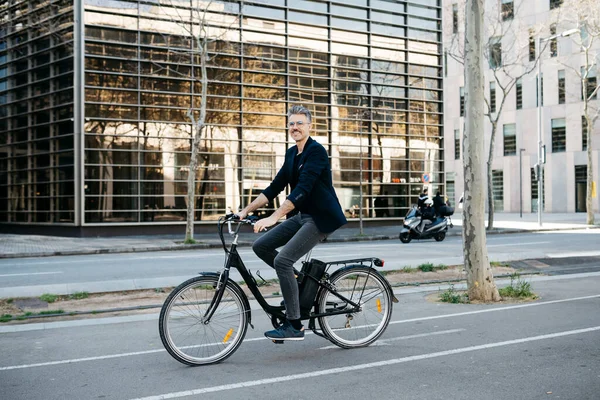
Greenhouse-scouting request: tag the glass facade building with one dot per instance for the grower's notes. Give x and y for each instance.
(97, 99)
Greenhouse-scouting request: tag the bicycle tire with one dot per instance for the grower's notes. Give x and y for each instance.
(366, 287)
(191, 341)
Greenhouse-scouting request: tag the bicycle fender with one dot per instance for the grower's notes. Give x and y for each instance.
(374, 271)
(240, 291)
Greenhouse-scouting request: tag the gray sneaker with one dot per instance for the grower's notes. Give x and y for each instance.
(285, 332)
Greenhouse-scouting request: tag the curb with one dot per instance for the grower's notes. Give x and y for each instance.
(419, 286)
(243, 243)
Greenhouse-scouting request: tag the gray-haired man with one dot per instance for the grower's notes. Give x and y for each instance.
(312, 210)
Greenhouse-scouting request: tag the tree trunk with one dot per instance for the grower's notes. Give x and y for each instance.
(490, 196)
(590, 179)
(480, 280)
(490, 180)
(198, 125)
(191, 191)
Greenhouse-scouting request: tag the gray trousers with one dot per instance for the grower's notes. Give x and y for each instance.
(298, 235)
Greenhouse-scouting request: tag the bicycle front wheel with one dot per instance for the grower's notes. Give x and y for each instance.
(192, 338)
(364, 286)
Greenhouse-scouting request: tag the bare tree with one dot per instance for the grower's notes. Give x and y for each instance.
(506, 51)
(480, 281)
(585, 16)
(204, 29)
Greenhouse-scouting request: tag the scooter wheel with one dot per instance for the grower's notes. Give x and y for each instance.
(405, 237)
(439, 236)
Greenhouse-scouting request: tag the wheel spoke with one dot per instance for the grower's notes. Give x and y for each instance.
(357, 328)
(190, 338)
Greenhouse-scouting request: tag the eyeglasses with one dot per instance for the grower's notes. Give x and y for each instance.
(299, 124)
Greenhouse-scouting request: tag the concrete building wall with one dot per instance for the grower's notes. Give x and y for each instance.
(560, 184)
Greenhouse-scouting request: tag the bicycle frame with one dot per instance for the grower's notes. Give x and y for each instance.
(234, 260)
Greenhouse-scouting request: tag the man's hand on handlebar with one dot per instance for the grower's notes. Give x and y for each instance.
(241, 214)
(264, 223)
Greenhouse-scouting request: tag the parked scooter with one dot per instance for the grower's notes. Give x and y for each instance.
(433, 229)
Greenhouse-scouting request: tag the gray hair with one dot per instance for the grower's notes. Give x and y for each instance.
(300, 110)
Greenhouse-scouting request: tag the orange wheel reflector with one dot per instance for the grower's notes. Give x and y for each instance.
(378, 305)
(226, 338)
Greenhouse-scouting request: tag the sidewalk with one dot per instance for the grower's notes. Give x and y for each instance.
(17, 246)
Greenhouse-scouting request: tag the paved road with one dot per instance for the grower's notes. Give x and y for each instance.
(12, 245)
(110, 272)
(542, 350)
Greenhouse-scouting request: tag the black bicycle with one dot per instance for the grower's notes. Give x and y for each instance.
(204, 320)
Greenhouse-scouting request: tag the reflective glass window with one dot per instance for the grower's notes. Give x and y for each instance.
(264, 12)
(264, 79)
(308, 31)
(264, 106)
(348, 11)
(387, 5)
(388, 29)
(115, 81)
(350, 61)
(307, 18)
(306, 5)
(264, 93)
(423, 23)
(423, 11)
(422, 35)
(388, 18)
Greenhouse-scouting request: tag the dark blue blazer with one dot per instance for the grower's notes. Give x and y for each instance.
(313, 194)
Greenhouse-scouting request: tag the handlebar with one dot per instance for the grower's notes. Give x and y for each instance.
(234, 218)
(229, 218)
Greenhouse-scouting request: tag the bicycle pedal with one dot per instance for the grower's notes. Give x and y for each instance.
(278, 341)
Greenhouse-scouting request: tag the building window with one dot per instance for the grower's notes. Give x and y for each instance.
(493, 97)
(561, 86)
(534, 190)
(591, 84)
(462, 101)
(531, 45)
(445, 63)
(495, 52)
(559, 135)
(450, 191)
(519, 92)
(553, 42)
(454, 18)
(584, 133)
(508, 10)
(510, 139)
(498, 191)
(457, 144)
(555, 4)
(580, 188)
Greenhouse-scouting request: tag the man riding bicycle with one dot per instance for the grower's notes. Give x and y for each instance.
(313, 211)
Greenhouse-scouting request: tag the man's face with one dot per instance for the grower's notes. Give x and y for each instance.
(299, 127)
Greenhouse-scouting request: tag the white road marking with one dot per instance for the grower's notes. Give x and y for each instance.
(358, 367)
(307, 333)
(104, 260)
(33, 273)
(495, 309)
(381, 342)
(574, 254)
(516, 244)
(106, 357)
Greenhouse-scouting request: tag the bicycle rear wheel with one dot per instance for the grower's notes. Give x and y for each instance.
(185, 333)
(364, 286)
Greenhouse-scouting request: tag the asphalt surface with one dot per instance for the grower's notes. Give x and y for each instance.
(547, 349)
(22, 277)
(18, 246)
